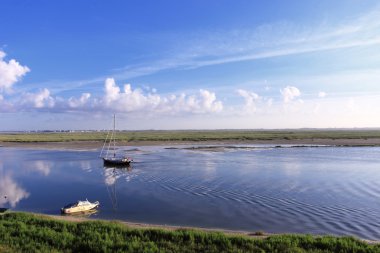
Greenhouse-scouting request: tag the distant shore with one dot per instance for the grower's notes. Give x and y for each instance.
(95, 139)
(93, 145)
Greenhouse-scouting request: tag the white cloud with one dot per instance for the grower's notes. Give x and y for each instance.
(10, 72)
(250, 100)
(208, 102)
(41, 99)
(322, 94)
(75, 102)
(128, 100)
(112, 91)
(134, 100)
(289, 93)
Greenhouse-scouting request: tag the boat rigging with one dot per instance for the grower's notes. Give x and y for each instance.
(108, 152)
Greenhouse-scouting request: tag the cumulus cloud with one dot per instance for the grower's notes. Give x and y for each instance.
(208, 102)
(79, 102)
(115, 99)
(322, 94)
(289, 93)
(250, 99)
(127, 100)
(10, 72)
(133, 100)
(41, 99)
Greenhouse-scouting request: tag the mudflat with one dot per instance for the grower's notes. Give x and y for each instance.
(86, 145)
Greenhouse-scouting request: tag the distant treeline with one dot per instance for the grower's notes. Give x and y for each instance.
(22, 232)
(192, 135)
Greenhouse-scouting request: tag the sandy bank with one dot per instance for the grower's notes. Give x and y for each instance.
(252, 234)
(157, 226)
(93, 145)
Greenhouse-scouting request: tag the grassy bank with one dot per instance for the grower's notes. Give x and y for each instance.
(30, 233)
(211, 135)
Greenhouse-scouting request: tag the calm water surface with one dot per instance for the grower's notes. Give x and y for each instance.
(319, 190)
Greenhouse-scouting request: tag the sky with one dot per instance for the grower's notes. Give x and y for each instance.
(216, 64)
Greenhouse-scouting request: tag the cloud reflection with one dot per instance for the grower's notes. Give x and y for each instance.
(40, 166)
(86, 166)
(112, 174)
(10, 192)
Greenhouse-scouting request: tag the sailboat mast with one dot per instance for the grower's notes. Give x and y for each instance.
(114, 139)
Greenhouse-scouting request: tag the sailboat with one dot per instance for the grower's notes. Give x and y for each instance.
(108, 152)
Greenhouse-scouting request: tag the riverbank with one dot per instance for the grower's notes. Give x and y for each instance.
(27, 232)
(250, 234)
(93, 145)
(94, 139)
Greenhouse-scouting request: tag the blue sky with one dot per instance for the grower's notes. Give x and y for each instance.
(189, 64)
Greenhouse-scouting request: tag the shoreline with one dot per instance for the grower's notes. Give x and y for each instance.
(26, 232)
(93, 145)
(229, 232)
(140, 225)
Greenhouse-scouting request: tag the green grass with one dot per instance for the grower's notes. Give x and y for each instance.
(211, 135)
(24, 232)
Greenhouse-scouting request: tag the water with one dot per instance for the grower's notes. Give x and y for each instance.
(319, 190)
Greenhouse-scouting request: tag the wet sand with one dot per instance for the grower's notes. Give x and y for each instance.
(252, 234)
(157, 226)
(93, 145)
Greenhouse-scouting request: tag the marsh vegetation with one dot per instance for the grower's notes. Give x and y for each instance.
(31, 233)
(193, 135)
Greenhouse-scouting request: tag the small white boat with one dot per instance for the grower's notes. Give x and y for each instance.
(79, 206)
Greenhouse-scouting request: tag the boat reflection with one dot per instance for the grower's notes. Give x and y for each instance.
(83, 214)
(111, 175)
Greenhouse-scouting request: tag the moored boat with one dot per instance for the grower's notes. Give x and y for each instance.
(80, 206)
(117, 161)
(108, 152)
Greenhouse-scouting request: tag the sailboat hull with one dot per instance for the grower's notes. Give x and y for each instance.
(116, 161)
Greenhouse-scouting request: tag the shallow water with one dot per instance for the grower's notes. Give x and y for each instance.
(319, 190)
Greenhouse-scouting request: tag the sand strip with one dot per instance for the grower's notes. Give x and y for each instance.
(93, 145)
